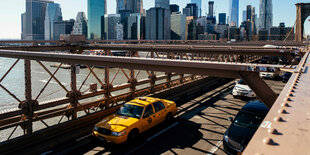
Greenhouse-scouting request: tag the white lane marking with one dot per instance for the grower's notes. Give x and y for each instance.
(215, 148)
(83, 137)
(161, 132)
(151, 138)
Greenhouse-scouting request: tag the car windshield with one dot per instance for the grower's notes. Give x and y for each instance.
(130, 110)
(241, 82)
(248, 119)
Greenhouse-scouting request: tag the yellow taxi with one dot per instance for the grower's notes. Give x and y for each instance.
(133, 118)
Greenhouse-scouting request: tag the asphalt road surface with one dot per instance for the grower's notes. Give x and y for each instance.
(198, 128)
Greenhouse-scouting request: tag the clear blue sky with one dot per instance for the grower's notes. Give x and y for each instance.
(11, 10)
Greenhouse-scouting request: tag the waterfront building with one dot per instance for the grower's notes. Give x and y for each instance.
(33, 19)
(193, 10)
(174, 8)
(63, 27)
(162, 4)
(234, 12)
(190, 30)
(80, 25)
(178, 22)
(110, 26)
(96, 10)
(265, 14)
(199, 4)
(158, 24)
(24, 23)
(53, 14)
(222, 18)
(135, 26)
(132, 6)
(211, 8)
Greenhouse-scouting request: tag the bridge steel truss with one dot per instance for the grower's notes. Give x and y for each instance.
(176, 61)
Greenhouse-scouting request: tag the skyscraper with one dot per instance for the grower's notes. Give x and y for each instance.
(63, 27)
(162, 4)
(222, 18)
(211, 8)
(132, 6)
(80, 24)
(178, 25)
(158, 24)
(33, 19)
(234, 12)
(265, 14)
(174, 8)
(193, 10)
(96, 10)
(53, 14)
(198, 3)
(111, 22)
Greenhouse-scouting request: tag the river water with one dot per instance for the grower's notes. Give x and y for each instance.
(15, 83)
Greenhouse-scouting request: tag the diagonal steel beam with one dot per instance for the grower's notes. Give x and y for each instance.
(259, 86)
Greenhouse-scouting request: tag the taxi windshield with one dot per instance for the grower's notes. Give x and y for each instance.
(130, 110)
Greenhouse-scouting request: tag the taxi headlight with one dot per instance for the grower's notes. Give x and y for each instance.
(118, 134)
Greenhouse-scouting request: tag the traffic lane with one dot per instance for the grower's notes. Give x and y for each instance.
(90, 146)
(201, 129)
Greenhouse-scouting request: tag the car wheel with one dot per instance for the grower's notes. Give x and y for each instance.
(133, 134)
(169, 118)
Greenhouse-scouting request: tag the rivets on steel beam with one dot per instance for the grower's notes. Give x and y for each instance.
(282, 111)
(288, 99)
(279, 119)
(268, 141)
(273, 131)
(285, 105)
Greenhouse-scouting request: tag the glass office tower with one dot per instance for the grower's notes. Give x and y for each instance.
(234, 12)
(132, 6)
(265, 14)
(96, 10)
(34, 19)
(162, 4)
(52, 14)
(198, 3)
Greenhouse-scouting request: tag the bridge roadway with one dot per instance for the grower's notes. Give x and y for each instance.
(198, 128)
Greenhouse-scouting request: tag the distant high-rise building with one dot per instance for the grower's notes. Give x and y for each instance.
(174, 8)
(24, 23)
(199, 4)
(119, 31)
(234, 12)
(187, 11)
(193, 9)
(96, 10)
(191, 32)
(80, 24)
(53, 14)
(63, 27)
(34, 18)
(178, 22)
(265, 14)
(211, 8)
(133, 6)
(243, 15)
(135, 26)
(110, 26)
(222, 18)
(162, 4)
(158, 24)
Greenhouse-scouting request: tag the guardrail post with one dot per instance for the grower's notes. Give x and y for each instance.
(73, 91)
(28, 105)
(107, 83)
(152, 77)
(133, 80)
(169, 74)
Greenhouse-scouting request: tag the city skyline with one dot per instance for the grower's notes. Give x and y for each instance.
(12, 18)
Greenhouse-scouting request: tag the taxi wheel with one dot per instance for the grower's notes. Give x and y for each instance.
(169, 118)
(133, 134)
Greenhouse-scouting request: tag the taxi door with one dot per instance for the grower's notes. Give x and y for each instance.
(148, 118)
(160, 112)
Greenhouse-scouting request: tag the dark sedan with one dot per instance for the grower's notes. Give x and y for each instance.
(243, 127)
(286, 77)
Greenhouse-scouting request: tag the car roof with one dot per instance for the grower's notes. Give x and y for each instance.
(255, 106)
(143, 101)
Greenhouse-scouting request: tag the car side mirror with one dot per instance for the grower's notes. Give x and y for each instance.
(230, 119)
